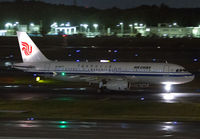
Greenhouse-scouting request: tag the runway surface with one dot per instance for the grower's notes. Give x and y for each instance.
(33, 129)
(27, 92)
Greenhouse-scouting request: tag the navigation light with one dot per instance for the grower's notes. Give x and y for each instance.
(63, 73)
(37, 79)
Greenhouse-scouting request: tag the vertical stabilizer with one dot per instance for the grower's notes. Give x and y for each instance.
(29, 51)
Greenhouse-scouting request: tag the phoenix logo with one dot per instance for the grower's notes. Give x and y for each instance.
(27, 48)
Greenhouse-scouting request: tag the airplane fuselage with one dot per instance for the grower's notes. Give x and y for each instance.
(154, 73)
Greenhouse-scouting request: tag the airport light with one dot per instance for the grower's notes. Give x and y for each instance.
(131, 29)
(7, 64)
(195, 59)
(62, 24)
(67, 24)
(63, 126)
(78, 51)
(195, 31)
(15, 24)
(115, 51)
(174, 24)
(81, 27)
(85, 26)
(95, 27)
(8, 25)
(135, 24)
(148, 29)
(54, 25)
(32, 24)
(122, 27)
(154, 60)
(63, 122)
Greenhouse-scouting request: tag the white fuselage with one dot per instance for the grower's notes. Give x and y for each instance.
(154, 73)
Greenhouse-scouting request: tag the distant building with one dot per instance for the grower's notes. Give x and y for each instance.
(23, 28)
(169, 30)
(34, 29)
(69, 30)
(3, 32)
(63, 29)
(11, 28)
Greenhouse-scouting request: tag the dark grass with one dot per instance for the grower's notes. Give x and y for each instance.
(101, 110)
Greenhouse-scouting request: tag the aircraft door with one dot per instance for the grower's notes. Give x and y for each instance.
(46, 66)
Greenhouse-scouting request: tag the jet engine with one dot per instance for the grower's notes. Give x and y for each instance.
(117, 85)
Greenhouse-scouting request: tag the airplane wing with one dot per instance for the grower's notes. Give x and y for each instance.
(88, 78)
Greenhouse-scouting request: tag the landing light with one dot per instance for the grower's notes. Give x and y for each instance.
(168, 87)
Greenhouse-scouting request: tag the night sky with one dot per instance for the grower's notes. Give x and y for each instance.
(127, 3)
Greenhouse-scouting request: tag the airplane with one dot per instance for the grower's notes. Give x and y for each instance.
(117, 76)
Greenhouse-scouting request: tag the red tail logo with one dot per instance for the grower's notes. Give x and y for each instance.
(27, 48)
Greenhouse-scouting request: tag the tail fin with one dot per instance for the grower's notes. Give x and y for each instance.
(29, 51)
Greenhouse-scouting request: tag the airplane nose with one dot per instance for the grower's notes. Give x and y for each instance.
(192, 77)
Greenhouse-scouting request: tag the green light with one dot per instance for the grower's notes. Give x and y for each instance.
(63, 126)
(63, 122)
(63, 73)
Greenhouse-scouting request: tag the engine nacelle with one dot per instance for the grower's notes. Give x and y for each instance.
(117, 85)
